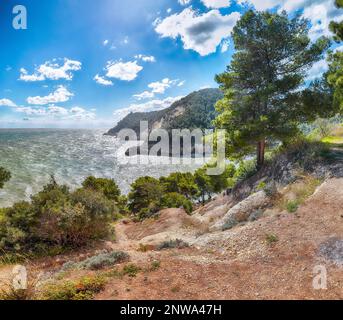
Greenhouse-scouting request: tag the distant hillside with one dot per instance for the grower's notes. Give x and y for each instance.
(194, 111)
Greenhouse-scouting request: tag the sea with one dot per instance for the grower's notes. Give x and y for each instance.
(34, 155)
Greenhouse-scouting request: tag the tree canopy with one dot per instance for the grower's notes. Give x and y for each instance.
(4, 177)
(106, 186)
(263, 95)
(334, 76)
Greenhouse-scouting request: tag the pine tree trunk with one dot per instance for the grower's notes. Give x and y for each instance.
(261, 148)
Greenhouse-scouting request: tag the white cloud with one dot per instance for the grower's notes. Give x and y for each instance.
(7, 103)
(184, 2)
(199, 32)
(153, 105)
(225, 46)
(145, 58)
(216, 4)
(55, 110)
(319, 12)
(52, 70)
(79, 113)
(126, 71)
(106, 42)
(58, 113)
(262, 5)
(144, 95)
(158, 87)
(29, 111)
(317, 70)
(101, 80)
(61, 94)
(161, 86)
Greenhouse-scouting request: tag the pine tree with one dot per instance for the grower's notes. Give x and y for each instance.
(263, 84)
(337, 27)
(334, 76)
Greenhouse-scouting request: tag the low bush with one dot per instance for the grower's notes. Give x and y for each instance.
(107, 187)
(103, 260)
(130, 270)
(176, 200)
(172, 244)
(56, 218)
(245, 170)
(272, 238)
(292, 206)
(155, 265)
(82, 289)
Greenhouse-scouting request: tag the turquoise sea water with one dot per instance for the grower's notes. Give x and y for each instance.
(33, 155)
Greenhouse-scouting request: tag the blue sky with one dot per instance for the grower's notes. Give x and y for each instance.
(84, 63)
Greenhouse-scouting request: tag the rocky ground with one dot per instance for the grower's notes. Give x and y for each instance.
(241, 263)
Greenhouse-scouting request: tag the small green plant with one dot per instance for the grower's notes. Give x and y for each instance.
(175, 289)
(292, 206)
(155, 265)
(261, 186)
(272, 239)
(131, 270)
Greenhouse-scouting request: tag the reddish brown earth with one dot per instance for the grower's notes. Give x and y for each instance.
(240, 264)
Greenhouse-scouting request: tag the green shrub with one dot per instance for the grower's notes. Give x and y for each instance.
(83, 289)
(130, 270)
(245, 170)
(155, 265)
(103, 260)
(222, 181)
(292, 206)
(271, 238)
(108, 187)
(56, 218)
(172, 244)
(182, 183)
(145, 196)
(176, 200)
(261, 186)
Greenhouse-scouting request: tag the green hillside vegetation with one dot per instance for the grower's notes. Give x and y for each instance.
(198, 112)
